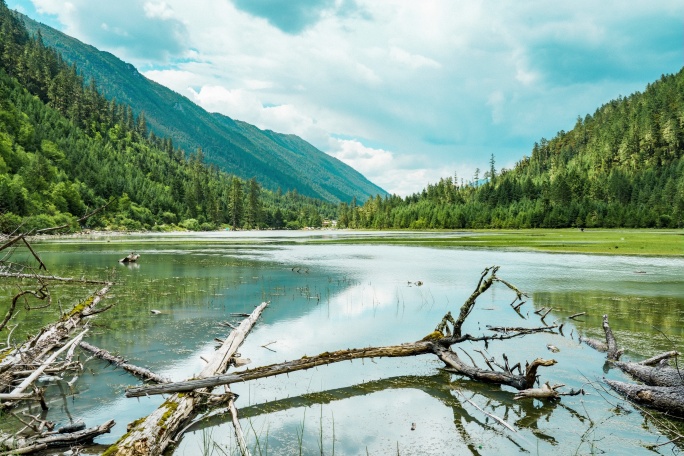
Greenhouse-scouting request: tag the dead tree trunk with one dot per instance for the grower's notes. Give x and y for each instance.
(655, 376)
(19, 445)
(141, 372)
(50, 337)
(663, 398)
(155, 432)
(438, 343)
(664, 389)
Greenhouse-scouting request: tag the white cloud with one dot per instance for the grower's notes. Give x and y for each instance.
(414, 61)
(160, 10)
(433, 85)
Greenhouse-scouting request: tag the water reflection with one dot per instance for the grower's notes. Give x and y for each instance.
(328, 297)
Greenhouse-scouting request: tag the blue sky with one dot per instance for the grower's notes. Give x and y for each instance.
(404, 91)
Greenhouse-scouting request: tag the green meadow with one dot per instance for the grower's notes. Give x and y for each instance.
(592, 241)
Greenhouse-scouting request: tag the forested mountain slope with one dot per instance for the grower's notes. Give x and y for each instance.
(275, 160)
(66, 150)
(620, 167)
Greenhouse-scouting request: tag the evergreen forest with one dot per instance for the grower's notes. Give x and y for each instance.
(65, 150)
(620, 167)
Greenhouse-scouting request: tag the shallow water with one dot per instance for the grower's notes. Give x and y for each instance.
(326, 297)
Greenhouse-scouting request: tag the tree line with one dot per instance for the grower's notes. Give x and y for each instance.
(620, 167)
(65, 149)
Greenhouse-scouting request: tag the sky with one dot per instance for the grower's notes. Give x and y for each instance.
(406, 92)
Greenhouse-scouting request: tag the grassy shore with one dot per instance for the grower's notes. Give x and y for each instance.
(593, 241)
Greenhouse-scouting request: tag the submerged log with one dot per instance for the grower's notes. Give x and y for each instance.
(545, 392)
(21, 445)
(130, 258)
(666, 399)
(141, 372)
(153, 434)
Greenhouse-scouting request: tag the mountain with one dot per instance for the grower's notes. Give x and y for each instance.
(275, 160)
(66, 150)
(623, 166)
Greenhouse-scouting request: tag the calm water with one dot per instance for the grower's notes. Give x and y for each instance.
(329, 297)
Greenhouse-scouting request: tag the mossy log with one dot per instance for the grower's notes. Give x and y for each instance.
(53, 336)
(153, 434)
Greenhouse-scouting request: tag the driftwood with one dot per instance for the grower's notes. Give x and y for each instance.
(20, 445)
(141, 372)
(664, 388)
(53, 277)
(51, 337)
(146, 436)
(667, 399)
(152, 434)
(130, 258)
(655, 376)
(437, 343)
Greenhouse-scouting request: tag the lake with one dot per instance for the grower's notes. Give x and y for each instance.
(327, 296)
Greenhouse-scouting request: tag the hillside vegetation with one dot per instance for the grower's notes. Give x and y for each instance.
(275, 160)
(66, 150)
(620, 167)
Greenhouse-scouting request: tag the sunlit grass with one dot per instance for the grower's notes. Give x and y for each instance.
(594, 241)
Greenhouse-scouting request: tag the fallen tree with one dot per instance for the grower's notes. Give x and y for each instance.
(151, 435)
(664, 386)
(35, 351)
(138, 371)
(438, 343)
(154, 433)
(11, 445)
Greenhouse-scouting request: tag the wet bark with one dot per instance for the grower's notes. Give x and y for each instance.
(655, 376)
(666, 399)
(141, 372)
(20, 445)
(154, 433)
(664, 389)
(38, 349)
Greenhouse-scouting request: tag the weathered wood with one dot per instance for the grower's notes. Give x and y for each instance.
(655, 376)
(49, 338)
(519, 382)
(595, 344)
(545, 392)
(239, 435)
(154, 433)
(14, 445)
(52, 277)
(658, 358)
(392, 351)
(141, 372)
(36, 373)
(613, 353)
(130, 258)
(306, 362)
(666, 399)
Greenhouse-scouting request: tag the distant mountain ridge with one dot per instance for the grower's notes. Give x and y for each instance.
(275, 160)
